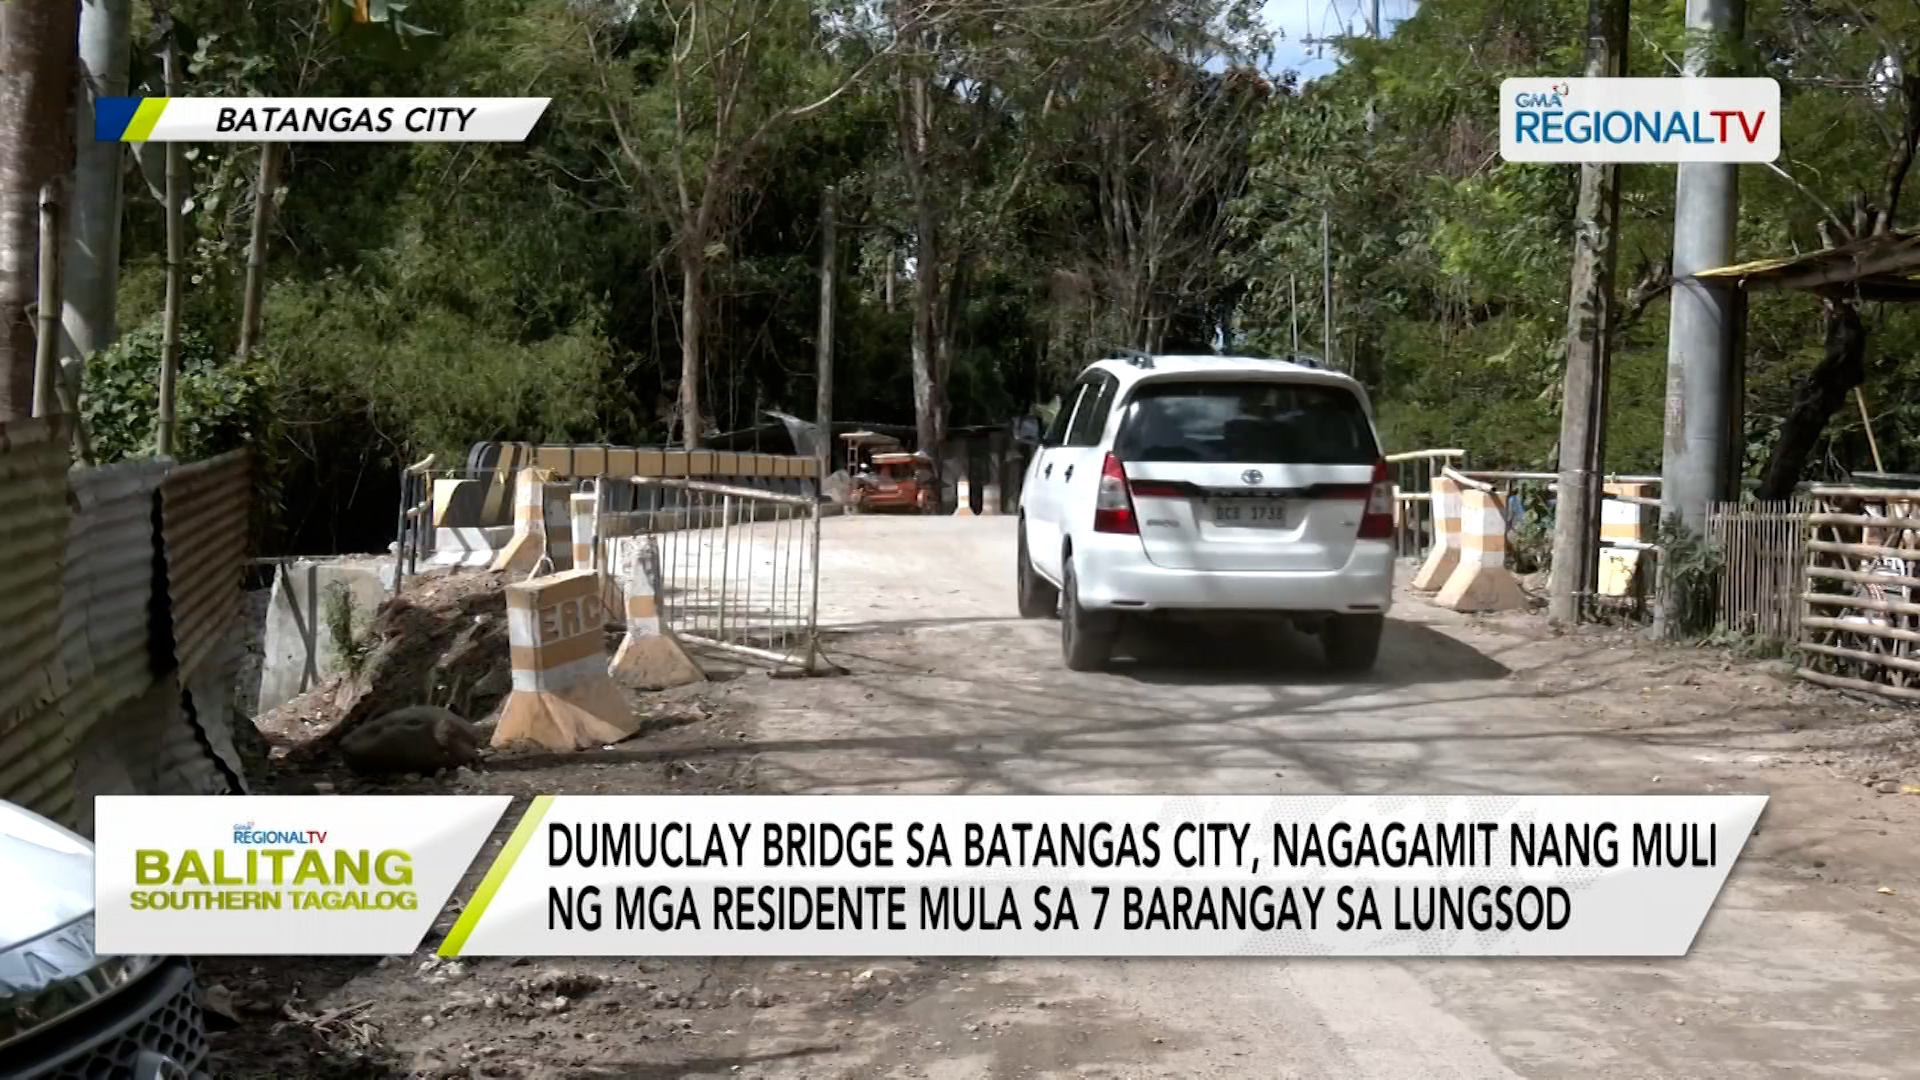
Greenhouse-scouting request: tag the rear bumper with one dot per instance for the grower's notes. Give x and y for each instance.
(1114, 574)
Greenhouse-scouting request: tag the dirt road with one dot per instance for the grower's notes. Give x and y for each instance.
(1807, 967)
(1804, 968)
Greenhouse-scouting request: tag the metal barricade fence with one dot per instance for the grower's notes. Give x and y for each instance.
(738, 568)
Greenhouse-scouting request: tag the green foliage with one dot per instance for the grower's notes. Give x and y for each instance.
(1691, 569)
(352, 644)
(218, 406)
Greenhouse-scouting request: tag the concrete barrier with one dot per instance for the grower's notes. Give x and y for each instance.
(1482, 581)
(562, 697)
(298, 650)
(989, 500)
(468, 546)
(528, 546)
(458, 503)
(1444, 556)
(649, 656)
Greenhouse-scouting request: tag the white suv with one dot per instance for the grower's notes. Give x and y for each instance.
(1209, 485)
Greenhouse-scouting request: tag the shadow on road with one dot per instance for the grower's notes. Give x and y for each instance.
(1190, 655)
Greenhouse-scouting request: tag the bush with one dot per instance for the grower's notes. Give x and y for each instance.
(219, 404)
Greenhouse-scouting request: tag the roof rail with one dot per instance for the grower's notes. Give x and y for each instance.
(1132, 356)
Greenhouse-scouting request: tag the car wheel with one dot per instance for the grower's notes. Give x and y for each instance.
(1352, 642)
(1038, 599)
(1086, 640)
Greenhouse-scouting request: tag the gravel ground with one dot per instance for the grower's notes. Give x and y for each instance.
(1808, 967)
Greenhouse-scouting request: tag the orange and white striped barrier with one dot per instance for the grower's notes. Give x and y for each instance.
(1482, 581)
(558, 519)
(585, 535)
(523, 553)
(649, 656)
(1444, 556)
(963, 498)
(562, 697)
(1625, 530)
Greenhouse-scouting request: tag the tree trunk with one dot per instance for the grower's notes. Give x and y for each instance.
(257, 249)
(928, 419)
(36, 90)
(1816, 397)
(692, 301)
(91, 257)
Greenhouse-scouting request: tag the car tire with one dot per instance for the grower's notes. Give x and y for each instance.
(1352, 642)
(1038, 599)
(1086, 640)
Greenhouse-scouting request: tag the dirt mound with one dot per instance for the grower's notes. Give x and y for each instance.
(441, 643)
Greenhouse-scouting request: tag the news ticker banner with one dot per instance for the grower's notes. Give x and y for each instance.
(848, 875)
(1604, 121)
(249, 119)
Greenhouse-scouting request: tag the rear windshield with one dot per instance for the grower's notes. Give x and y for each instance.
(1281, 423)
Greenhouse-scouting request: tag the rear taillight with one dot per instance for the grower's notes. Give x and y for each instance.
(1377, 522)
(1112, 506)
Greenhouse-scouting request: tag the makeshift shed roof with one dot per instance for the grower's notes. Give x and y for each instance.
(1884, 267)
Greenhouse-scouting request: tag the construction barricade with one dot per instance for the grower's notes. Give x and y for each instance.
(1626, 532)
(1444, 556)
(649, 656)
(528, 546)
(1481, 582)
(562, 697)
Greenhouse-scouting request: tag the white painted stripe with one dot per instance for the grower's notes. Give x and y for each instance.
(1615, 512)
(523, 627)
(559, 678)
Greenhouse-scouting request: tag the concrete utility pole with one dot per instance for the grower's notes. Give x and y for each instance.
(1590, 314)
(1702, 362)
(92, 228)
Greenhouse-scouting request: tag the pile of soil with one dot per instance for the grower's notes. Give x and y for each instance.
(442, 642)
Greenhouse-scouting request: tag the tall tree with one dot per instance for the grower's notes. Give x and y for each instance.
(37, 47)
(693, 91)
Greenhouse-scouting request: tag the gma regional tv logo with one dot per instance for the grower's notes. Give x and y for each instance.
(1611, 121)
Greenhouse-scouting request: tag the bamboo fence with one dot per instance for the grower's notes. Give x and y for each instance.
(1762, 549)
(1859, 620)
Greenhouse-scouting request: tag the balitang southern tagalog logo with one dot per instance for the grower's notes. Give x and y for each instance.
(274, 869)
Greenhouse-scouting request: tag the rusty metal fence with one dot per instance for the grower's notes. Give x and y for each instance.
(118, 591)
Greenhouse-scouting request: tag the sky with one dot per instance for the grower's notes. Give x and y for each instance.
(1299, 19)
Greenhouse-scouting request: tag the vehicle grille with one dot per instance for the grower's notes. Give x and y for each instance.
(157, 1015)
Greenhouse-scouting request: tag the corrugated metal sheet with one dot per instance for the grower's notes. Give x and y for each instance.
(106, 633)
(33, 534)
(36, 766)
(203, 526)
